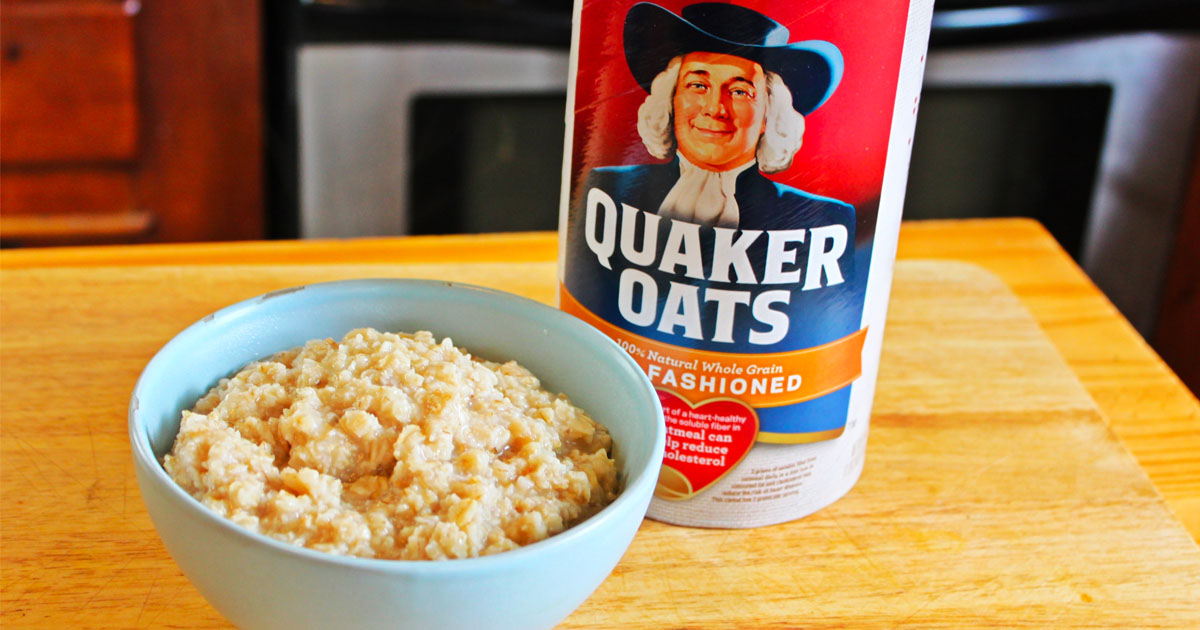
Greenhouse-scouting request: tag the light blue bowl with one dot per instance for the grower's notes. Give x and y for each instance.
(258, 582)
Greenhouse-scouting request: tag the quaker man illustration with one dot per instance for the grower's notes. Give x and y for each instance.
(727, 97)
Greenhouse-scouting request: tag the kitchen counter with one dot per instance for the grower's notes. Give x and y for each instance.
(998, 490)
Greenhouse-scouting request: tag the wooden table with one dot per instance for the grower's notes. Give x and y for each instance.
(78, 550)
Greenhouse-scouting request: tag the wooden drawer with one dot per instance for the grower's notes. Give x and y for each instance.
(130, 121)
(69, 205)
(68, 88)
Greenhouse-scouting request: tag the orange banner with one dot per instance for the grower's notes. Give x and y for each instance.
(760, 380)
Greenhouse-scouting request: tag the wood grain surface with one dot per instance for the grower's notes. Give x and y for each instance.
(994, 494)
(1145, 403)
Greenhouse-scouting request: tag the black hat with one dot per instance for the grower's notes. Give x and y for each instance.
(654, 35)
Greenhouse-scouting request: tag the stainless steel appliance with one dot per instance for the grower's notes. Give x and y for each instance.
(424, 137)
(1090, 135)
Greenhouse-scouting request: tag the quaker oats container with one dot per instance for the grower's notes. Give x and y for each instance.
(733, 181)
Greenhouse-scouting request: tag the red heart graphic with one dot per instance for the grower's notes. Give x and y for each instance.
(704, 442)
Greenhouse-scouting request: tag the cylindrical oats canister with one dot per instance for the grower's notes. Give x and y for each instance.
(733, 180)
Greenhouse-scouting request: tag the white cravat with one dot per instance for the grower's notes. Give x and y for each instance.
(703, 196)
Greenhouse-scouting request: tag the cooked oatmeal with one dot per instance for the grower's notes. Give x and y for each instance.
(393, 446)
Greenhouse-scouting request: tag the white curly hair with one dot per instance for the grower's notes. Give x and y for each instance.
(781, 138)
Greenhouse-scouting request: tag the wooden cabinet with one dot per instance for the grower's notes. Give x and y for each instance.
(127, 121)
(1177, 335)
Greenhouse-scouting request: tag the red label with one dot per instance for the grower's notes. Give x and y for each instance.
(704, 442)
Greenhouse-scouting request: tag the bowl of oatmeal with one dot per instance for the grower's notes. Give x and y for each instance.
(394, 453)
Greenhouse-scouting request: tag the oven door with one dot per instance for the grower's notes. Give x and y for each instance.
(1091, 136)
(429, 138)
